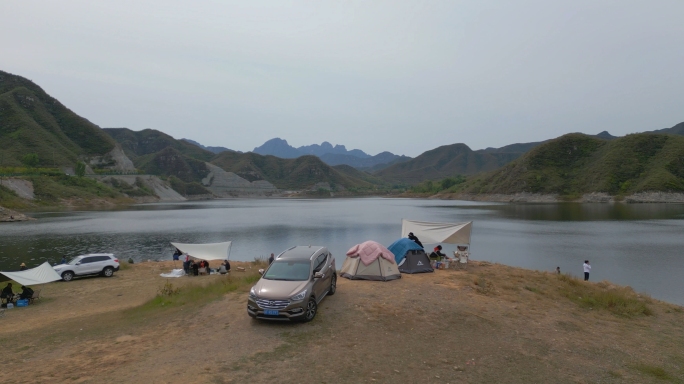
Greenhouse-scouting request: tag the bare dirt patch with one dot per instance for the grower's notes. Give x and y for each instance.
(491, 323)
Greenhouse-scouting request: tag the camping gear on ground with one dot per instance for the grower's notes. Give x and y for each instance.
(410, 257)
(10, 305)
(22, 303)
(41, 274)
(35, 296)
(370, 261)
(174, 273)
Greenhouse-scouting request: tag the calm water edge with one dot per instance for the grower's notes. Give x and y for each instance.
(638, 245)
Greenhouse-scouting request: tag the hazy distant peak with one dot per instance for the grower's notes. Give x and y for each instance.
(605, 135)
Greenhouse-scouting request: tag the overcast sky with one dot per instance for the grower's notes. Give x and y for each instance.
(401, 76)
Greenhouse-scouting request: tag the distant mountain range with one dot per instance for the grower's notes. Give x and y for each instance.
(331, 155)
(157, 153)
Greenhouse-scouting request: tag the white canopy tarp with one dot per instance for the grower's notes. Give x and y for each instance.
(435, 233)
(209, 251)
(41, 274)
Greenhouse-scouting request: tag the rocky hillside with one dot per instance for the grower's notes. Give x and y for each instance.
(305, 172)
(445, 161)
(576, 164)
(34, 123)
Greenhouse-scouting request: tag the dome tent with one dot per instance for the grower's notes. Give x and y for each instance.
(370, 261)
(412, 255)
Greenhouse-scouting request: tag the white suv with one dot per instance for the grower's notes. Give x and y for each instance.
(104, 264)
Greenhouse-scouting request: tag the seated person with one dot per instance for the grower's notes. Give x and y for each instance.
(202, 269)
(437, 254)
(7, 292)
(194, 267)
(222, 268)
(413, 237)
(227, 264)
(26, 293)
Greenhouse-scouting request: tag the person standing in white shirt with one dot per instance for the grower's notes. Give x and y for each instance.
(587, 269)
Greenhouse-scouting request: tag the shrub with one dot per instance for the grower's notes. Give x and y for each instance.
(621, 301)
(30, 160)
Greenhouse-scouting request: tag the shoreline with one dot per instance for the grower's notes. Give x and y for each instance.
(594, 197)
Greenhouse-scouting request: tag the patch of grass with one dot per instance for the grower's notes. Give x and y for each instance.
(620, 301)
(483, 286)
(50, 189)
(533, 289)
(652, 370)
(196, 294)
(615, 374)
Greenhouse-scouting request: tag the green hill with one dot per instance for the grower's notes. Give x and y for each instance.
(444, 161)
(293, 174)
(31, 121)
(575, 164)
(351, 172)
(149, 141)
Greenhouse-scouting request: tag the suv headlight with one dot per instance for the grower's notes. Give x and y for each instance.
(252, 294)
(299, 297)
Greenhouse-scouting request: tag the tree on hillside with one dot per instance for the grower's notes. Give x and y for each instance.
(80, 169)
(30, 160)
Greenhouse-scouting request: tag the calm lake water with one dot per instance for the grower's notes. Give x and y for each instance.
(638, 245)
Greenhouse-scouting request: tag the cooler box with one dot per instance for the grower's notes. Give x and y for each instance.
(22, 303)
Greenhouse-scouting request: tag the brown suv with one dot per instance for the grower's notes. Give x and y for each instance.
(293, 285)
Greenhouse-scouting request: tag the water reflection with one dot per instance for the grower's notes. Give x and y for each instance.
(583, 212)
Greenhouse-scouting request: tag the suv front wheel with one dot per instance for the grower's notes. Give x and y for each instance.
(108, 272)
(67, 276)
(311, 309)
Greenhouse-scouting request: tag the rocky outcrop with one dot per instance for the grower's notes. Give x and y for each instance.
(163, 191)
(228, 184)
(115, 160)
(23, 188)
(655, 197)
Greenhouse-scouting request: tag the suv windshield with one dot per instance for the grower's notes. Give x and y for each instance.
(289, 270)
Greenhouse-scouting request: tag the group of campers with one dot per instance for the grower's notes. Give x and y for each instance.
(194, 267)
(436, 256)
(8, 296)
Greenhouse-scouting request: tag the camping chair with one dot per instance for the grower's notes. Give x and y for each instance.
(36, 296)
(463, 259)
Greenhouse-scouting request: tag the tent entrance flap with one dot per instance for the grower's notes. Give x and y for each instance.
(435, 233)
(209, 251)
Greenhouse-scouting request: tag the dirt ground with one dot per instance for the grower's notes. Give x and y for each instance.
(489, 324)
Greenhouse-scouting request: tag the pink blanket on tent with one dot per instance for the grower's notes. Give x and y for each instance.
(369, 251)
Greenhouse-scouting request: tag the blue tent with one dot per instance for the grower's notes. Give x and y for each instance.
(400, 247)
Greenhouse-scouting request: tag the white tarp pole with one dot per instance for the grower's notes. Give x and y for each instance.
(41, 274)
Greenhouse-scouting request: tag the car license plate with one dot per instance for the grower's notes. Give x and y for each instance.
(271, 312)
